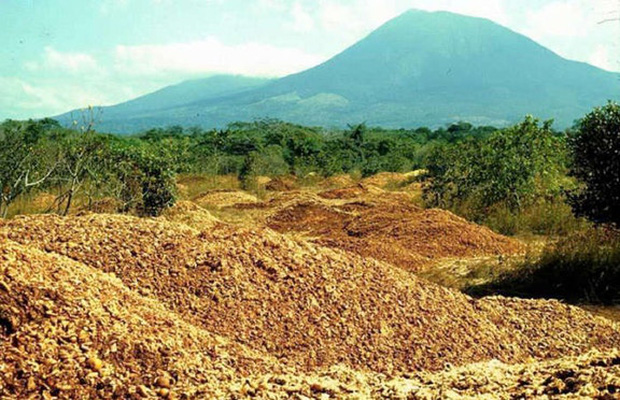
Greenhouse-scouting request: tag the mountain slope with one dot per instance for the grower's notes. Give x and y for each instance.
(141, 112)
(420, 68)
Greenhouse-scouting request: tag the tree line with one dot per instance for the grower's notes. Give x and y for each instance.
(477, 171)
(531, 170)
(43, 156)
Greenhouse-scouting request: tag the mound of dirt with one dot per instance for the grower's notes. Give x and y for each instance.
(68, 330)
(43, 201)
(433, 234)
(262, 180)
(182, 189)
(351, 192)
(390, 229)
(307, 306)
(281, 184)
(224, 198)
(102, 205)
(190, 214)
(384, 178)
(337, 181)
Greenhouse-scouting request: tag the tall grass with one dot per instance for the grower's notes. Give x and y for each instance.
(551, 217)
(582, 267)
(192, 185)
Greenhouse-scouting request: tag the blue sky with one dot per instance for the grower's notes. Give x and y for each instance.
(56, 55)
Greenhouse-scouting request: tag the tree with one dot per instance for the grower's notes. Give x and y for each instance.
(513, 167)
(146, 181)
(78, 162)
(25, 162)
(357, 134)
(596, 151)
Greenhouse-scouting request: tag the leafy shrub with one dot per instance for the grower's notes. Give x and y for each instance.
(500, 177)
(596, 149)
(146, 181)
(543, 217)
(27, 158)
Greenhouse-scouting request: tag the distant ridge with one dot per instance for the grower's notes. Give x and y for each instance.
(420, 68)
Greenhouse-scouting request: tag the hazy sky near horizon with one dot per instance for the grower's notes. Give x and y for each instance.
(64, 54)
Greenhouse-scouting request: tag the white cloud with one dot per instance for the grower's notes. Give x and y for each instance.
(350, 20)
(60, 81)
(302, 20)
(14, 101)
(57, 61)
(40, 97)
(560, 18)
(603, 57)
(212, 56)
(572, 29)
(22, 99)
(69, 62)
(273, 5)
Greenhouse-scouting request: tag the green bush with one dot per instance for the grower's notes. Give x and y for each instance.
(146, 181)
(543, 217)
(496, 180)
(28, 157)
(596, 149)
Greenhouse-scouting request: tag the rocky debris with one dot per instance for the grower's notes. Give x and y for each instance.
(308, 306)
(224, 198)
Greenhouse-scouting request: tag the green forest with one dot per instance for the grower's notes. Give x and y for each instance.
(490, 175)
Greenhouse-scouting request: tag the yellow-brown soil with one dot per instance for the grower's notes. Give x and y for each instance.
(594, 375)
(281, 184)
(311, 297)
(190, 214)
(116, 306)
(389, 227)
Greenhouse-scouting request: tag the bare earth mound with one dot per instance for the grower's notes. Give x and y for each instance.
(71, 331)
(337, 181)
(190, 214)
(281, 184)
(308, 306)
(389, 228)
(384, 178)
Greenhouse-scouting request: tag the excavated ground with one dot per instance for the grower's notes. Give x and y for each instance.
(117, 306)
